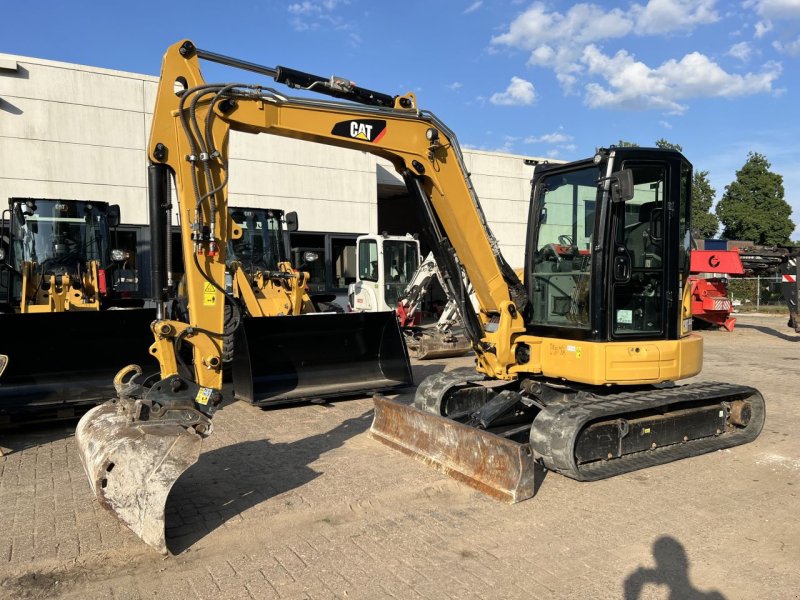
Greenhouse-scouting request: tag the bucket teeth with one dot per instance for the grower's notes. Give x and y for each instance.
(132, 466)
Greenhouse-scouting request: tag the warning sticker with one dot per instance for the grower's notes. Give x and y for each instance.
(209, 295)
(203, 395)
(625, 316)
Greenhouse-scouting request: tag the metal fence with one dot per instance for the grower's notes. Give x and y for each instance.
(754, 293)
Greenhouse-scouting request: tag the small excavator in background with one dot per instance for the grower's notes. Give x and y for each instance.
(574, 367)
(390, 276)
(64, 334)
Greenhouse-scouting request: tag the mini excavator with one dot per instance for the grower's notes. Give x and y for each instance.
(574, 367)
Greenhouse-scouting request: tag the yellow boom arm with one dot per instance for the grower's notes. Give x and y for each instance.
(191, 125)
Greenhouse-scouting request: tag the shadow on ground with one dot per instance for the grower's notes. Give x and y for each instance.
(770, 331)
(22, 437)
(671, 571)
(227, 481)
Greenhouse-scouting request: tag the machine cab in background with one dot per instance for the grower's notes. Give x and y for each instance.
(386, 264)
(608, 246)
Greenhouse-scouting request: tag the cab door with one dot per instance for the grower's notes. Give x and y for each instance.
(640, 257)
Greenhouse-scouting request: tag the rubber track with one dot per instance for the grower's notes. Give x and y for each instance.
(556, 428)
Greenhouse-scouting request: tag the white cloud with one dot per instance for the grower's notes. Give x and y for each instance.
(665, 124)
(665, 16)
(582, 24)
(455, 86)
(762, 28)
(556, 40)
(791, 48)
(518, 93)
(313, 14)
(473, 7)
(743, 51)
(631, 84)
(557, 137)
(775, 9)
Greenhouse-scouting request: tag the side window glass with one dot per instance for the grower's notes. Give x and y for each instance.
(368, 260)
(562, 267)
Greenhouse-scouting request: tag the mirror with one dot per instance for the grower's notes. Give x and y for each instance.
(113, 216)
(310, 256)
(291, 222)
(622, 186)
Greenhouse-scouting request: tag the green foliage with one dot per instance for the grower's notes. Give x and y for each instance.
(624, 144)
(704, 221)
(753, 208)
(665, 145)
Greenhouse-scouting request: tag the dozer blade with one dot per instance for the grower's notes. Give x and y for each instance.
(496, 466)
(132, 468)
(306, 357)
(62, 363)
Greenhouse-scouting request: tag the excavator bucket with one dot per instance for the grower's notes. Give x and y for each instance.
(132, 467)
(306, 357)
(60, 364)
(498, 467)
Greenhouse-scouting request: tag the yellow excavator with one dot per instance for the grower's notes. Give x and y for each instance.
(579, 359)
(293, 351)
(61, 284)
(261, 275)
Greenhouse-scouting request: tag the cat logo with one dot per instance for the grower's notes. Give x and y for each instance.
(368, 130)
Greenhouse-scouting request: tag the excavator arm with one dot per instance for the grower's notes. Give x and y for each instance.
(190, 135)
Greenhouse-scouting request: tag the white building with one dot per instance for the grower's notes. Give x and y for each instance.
(76, 132)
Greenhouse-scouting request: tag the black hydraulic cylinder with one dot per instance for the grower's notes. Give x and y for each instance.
(299, 79)
(159, 200)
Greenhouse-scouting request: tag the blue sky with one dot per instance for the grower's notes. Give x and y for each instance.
(536, 78)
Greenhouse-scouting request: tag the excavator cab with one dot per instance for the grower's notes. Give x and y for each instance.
(634, 289)
(261, 246)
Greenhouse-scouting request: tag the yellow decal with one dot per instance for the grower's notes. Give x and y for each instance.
(209, 295)
(203, 395)
(646, 430)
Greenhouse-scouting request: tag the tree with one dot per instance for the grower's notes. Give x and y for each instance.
(665, 145)
(753, 208)
(704, 221)
(624, 144)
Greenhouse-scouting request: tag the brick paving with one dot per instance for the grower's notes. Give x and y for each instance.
(300, 503)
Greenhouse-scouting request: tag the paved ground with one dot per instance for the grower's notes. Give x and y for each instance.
(300, 503)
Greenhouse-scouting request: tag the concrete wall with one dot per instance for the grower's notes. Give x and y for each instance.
(72, 131)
